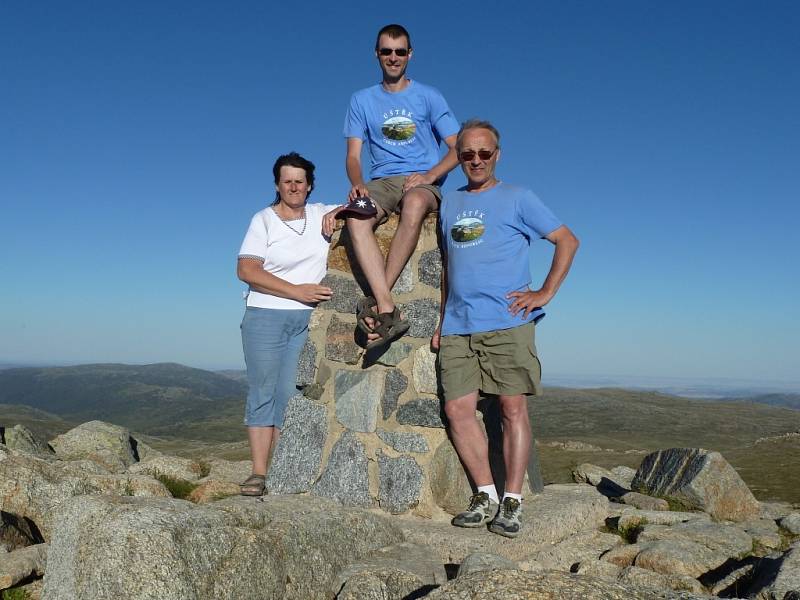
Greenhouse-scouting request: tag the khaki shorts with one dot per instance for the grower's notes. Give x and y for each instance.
(495, 362)
(388, 191)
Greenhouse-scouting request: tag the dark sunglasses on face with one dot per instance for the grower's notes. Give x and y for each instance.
(397, 51)
(468, 155)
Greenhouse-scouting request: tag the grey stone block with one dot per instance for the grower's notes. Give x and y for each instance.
(394, 354)
(307, 365)
(405, 282)
(423, 314)
(357, 394)
(346, 477)
(345, 294)
(396, 384)
(430, 268)
(298, 456)
(400, 482)
(422, 412)
(424, 371)
(404, 441)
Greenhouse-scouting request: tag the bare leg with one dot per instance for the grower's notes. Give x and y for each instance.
(262, 443)
(416, 205)
(516, 440)
(468, 437)
(370, 259)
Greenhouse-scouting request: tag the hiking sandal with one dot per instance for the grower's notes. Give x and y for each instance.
(253, 486)
(390, 327)
(365, 310)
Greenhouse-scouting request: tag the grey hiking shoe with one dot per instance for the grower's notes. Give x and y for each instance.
(507, 521)
(481, 509)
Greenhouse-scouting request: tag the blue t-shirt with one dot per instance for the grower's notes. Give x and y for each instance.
(487, 236)
(402, 129)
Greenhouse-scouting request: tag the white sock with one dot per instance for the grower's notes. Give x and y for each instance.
(491, 490)
(517, 497)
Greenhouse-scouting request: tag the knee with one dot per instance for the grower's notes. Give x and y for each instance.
(416, 205)
(359, 226)
(515, 412)
(457, 412)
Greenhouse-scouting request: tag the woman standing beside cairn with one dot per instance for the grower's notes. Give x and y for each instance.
(282, 259)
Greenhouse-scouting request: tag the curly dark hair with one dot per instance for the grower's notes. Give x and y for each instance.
(293, 159)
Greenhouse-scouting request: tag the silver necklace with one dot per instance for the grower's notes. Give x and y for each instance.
(286, 221)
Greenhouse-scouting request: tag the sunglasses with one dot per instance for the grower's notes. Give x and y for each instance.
(468, 155)
(397, 51)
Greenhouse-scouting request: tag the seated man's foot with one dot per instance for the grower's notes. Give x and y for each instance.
(367, 314)
(480, 510)
(388, 327)
(507, 522)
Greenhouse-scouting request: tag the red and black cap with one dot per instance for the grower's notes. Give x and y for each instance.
(363, 207)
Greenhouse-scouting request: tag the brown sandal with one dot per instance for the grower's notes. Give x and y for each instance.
(253, 485)
(390, 327)
(366, 310)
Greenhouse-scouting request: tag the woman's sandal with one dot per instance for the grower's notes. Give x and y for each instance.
(366, 310)
(253, 486)
(389, 327)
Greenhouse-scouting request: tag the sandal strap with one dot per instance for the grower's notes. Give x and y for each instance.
(254, 480)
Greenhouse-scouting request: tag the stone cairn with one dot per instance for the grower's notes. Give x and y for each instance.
(369, 429)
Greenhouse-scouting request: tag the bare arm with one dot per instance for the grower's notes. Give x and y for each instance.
(566, 246)
(353, 167)
(442, 168)
(251, 271)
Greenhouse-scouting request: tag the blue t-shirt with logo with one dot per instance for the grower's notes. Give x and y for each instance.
(402, 129)
(487, 237)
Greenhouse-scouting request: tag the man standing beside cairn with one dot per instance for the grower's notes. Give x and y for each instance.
(486, 334)
(402, 122)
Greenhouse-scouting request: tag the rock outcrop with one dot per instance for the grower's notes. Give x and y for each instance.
(108, 548)
(697, 479)
(32, 487)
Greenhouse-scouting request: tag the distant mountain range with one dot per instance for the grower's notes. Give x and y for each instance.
(160, 399)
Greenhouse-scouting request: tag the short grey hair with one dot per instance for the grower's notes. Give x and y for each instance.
(477, 124)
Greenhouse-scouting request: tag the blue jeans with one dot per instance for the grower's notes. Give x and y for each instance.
(272, 340)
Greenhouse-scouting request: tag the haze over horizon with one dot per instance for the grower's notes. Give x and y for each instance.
(138, 140)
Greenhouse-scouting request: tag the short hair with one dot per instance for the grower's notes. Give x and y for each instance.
(477, 124)
(293, 159)
(394, 31)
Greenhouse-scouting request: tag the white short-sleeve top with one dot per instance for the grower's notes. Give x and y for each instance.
(292, 257)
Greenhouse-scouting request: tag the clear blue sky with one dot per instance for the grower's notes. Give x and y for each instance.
(136, 140)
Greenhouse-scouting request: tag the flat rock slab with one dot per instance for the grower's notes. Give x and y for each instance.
(788, 578)
(632, 517)
(692, 548)
(548, 518)
(419, 561)
(698, 479)
(108, 548)
(21, 564)
(577, 548)
(791, 523)
(548, 585)
(646, 578)
(483, 561)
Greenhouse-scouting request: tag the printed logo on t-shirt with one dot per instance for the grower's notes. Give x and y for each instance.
(468, 229)
(398, 129)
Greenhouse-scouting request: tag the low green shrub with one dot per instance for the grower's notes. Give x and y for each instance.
(179, 488)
